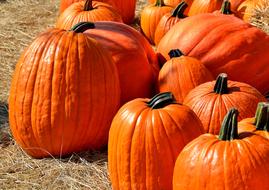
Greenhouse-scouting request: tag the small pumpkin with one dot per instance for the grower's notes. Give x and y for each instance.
(144, 140)
(181, 74)
(212, 100)
(64, 94)
(258, 124)
(150, 17)
(169, 20)
(227, 161)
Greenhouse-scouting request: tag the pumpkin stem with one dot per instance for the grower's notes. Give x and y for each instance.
(175, 53)
(228, 129)
(179, 10)
(221, 86)
(159, 3)
(262, 116)
(226, 8)
(88, 5)
(82, 27)
(161, 100)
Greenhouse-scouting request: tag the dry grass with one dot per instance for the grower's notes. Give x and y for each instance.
(21, 21)
(260, 17)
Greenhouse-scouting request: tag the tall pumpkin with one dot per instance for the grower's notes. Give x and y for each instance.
(125, 7)
(223, 43)
(87, 11)
(64, 94)
(212, 100)
(144, 140)
(135, 59)
(228, 161)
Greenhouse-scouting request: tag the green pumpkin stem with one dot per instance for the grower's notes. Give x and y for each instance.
(161, 100)
(159, 3)
(229, 129)
(262, 116)
(175, 53)
(179, 10)
(226, 8)
(88, 5)
(221, 86)
(82, 26)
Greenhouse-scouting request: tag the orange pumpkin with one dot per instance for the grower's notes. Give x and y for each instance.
(212, 100)
(144, 140)
(134, 57)
(228, 161)
(64, 94)
(204, 6)
(173, 3)
(150, 17)
(169, 20)
(259, 123)
(181, 74)
(86, 11)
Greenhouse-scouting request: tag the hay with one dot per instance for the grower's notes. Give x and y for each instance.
(260, 16)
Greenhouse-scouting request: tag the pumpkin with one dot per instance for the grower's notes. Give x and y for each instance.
(181, 74)
(169, 20)
(212, 100)
(259, 123)
(125, 7)
(173, 3)
(223, 43)
(228, 161)
(144, 140)
(64, 94)
(87, 11)
(150, 17)
(204, 6)
(135, 59)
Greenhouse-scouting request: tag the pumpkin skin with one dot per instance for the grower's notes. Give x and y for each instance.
(169, 20)
(135, 59)
(125, 7)
(212, 100)
(219, 41)
(61, 84)
(181, 74)
(86, 11)
(227, 161)
(204, 6)
(173, 3)
(150, 17)
(142, 135)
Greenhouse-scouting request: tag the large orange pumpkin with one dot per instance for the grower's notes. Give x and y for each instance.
(212, 100)
(181, 74)
(144, 140)
(228, 161)
(134, 57)
(125, 7)
(86, 11)
(204, 6)
(223, 43)
(64, 94)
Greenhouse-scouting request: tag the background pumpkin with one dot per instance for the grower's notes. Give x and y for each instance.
(173, 3)
(212, 100)
(223, 43)
(145, 139)
(204, 6)
(230, 160)
(64, 94)
(181, 74)
(86, 11)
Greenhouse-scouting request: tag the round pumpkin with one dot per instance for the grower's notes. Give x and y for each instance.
(87, 11)
(64, 94)
(181, 74)
(144, 140)
(228, 161)
(223, 43)
(173, 3)
(212, 100)
(135, 59)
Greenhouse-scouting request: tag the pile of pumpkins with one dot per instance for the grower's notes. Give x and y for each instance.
(190, 115)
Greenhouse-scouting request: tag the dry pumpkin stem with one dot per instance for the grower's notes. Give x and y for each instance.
(159, 3)
(229, 130)
(262, 116)
(82, 27)
(221, 86)
(179, 10)
(226, 7)
(161, 100)
(88, 5)
(175, 53)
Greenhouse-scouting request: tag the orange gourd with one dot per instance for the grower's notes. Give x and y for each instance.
(181, 74)
(212, 100)
(144, 140)
(173, 3)
(87, 11)
(64, 94)
(228, 161)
